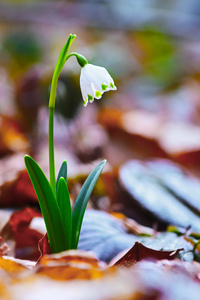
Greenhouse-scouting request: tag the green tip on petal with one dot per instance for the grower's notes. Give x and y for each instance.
(112, 85)
(104, 86)
(90, 98)
(97, 94)
(85, 101)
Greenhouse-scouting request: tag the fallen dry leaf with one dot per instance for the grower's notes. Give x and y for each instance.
(133, 226)
(11, 266)
(3, 248)
(26, 239)
(69, 265)
(143, 184)
(12, 138)
(88, 280)
(44, 246)
(15, 186)
(139, 252)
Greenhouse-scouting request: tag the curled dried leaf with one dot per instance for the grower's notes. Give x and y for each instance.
(139, 252)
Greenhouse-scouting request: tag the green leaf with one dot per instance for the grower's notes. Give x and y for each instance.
(65, 209)
(48, 205)
(63, 55)
(82, 201)
(62, 173)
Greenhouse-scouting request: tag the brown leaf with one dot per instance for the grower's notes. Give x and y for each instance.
(11, 266)
(12, 138)
(133, 226)
(144, 183)
(25, 237)
(3, 248)
(44, 246)
(132, 133)
(15, 185)
(139, 252)
(72, 264)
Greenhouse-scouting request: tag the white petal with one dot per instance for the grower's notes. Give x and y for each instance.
(94, 81)
(86, 88)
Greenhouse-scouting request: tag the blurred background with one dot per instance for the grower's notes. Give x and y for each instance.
(151, 49)
(148, 130)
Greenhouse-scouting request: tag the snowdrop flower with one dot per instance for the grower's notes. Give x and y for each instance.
(94, 81)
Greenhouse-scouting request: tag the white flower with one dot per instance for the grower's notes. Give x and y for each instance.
(94, 81)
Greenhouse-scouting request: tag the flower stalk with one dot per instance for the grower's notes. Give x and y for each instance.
(51, 151)
(63, 225)
(52, 99)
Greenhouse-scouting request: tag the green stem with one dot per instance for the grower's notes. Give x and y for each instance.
(51, 134)
(80, 58)
(58, 68)
(51, 150)
(52, 99)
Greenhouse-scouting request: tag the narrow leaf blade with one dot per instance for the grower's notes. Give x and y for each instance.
(48, 205)
(65, 210)
(63, 55)
(82, 201)
(62, 173)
